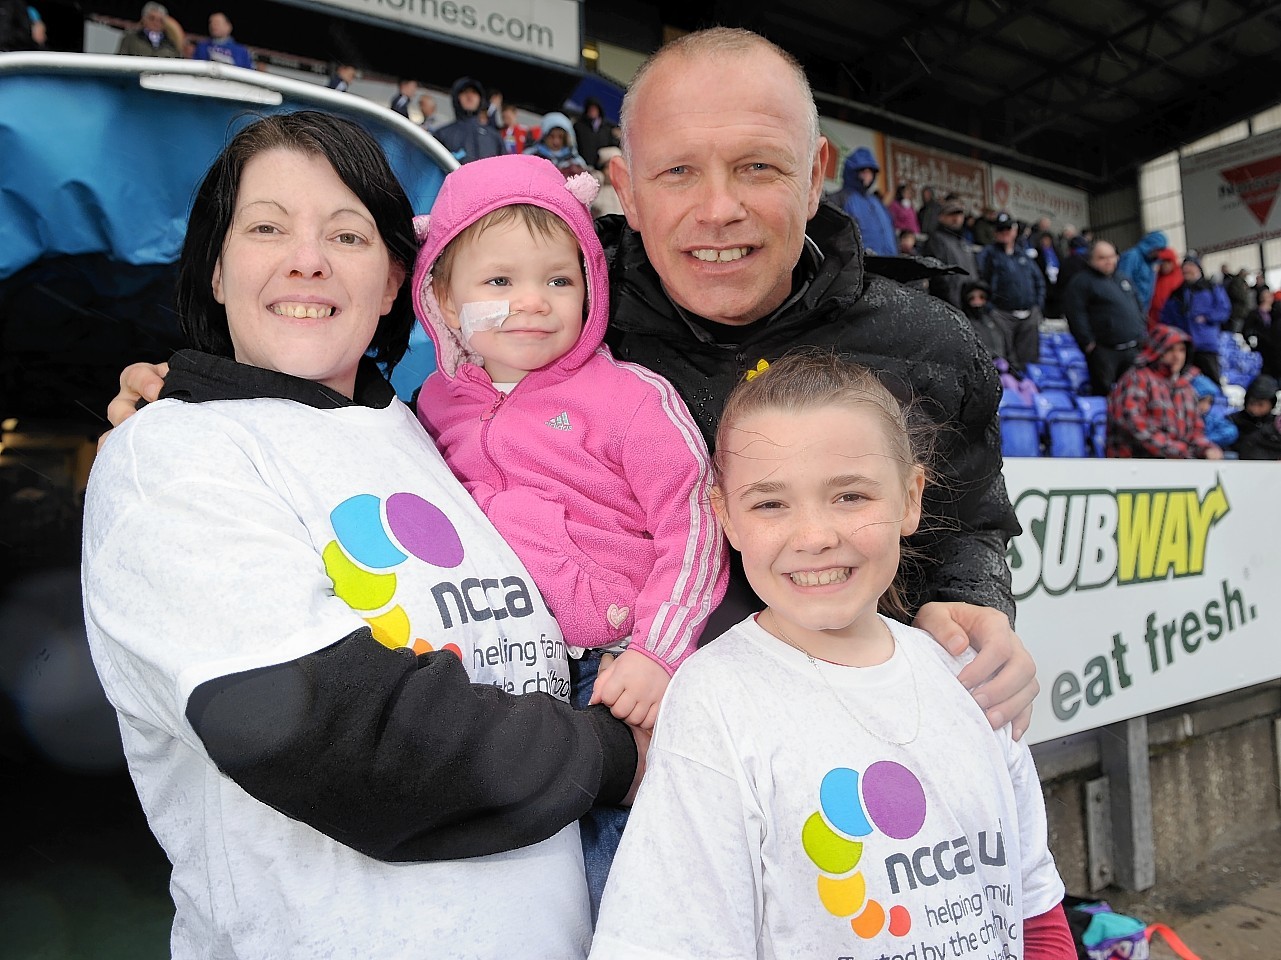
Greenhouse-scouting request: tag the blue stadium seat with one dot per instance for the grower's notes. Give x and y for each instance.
(1095, 412)
(1020, 431)
(1065, 425)
(1047, 376)
(1078, 377)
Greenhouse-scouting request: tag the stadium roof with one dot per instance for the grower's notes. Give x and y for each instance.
(1081, 90)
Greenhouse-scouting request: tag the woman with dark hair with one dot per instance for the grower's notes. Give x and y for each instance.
(310, 633)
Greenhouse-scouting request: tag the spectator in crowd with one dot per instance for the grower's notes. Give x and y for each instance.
(1262, 332)
(947, 243)
(994, 330)
(405, 90)
(906, 243)
(902, 212)
(470, 136)
(1199, 308)
(1017, 287)
(344, 76)
(1047, 260)
(494, 111)
(1152, 410)
(592, 131)
(1137, 263)
(1257, 415)
(984, 228)
(1220, 431)
(1067, 236)
(1168, 278)
(557, 144)
(855, 198)
(515, 135)
(928, 215)
(1076, 258)
(1104, 317)
(158, 35)
(221, 47)
(606, 201)
(427, 107)
(1237, 288)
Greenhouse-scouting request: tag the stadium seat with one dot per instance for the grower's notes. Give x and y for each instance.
(1020, 431)
(1047, 376)
(1065, 426)
(1095, 412)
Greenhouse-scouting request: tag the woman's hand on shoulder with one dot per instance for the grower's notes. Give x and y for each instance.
(1002, 675)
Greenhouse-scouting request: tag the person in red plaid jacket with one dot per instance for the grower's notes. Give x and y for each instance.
(1152, 410)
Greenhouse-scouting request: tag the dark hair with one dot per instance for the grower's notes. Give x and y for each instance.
(358, 161)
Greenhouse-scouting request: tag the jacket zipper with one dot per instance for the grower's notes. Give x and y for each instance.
(486, 420)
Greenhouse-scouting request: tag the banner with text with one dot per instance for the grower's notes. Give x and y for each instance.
(1230, 193)
(945, 172)
(1142, 586)
(1028, 198)
(543, 29)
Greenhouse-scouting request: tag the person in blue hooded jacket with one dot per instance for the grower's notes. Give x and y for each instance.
(558, 145)
(1139, 264)
(856, 198)
(1199, 307)
(470, 137)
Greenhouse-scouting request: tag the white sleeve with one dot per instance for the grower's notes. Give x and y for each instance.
(1042, 887)
(687, 878)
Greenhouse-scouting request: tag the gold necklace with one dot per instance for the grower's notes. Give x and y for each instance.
(916, 697)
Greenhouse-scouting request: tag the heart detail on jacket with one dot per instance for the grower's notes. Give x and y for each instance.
(617, 615)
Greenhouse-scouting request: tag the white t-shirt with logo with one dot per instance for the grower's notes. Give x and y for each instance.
(226, 536)
(772, 823)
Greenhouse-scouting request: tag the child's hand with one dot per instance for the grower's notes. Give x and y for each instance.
(631, 686)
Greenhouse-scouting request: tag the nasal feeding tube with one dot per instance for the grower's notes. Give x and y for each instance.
(482, 315)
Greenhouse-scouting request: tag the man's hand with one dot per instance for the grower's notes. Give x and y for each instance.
(1002, 677)
(631, 686)
(642, 748)
(138, 381)
(1213, 453)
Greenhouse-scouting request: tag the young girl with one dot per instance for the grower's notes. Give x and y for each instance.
(819, 785)
(592, 469)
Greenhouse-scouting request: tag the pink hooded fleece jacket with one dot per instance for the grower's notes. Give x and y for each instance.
(591, 468)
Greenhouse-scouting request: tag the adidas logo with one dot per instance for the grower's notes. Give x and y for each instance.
(560, 422)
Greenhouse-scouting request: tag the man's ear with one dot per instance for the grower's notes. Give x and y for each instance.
(915, 489)
(621, 179)
(722, 516)
(817, 169)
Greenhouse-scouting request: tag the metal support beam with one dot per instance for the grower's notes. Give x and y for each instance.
(1123, 751)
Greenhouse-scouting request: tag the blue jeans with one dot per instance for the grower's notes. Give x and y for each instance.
(601, 828)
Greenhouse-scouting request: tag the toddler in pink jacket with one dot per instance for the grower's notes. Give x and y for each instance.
(591, 468)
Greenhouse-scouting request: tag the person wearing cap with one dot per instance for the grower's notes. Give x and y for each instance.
(1139, 264)
(1018, 286)
(856, 198)
(1152, 410)
(947, 243)
(1199, 307)
(471, 136)
(1104, 316)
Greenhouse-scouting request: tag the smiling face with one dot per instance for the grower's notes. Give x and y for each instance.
(541, 278)
(720, 185)
(816, 502)
(304, 274)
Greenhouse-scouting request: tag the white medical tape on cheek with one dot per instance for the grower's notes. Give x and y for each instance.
(482, 315)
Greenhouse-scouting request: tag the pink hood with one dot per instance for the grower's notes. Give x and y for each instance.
(478, 188)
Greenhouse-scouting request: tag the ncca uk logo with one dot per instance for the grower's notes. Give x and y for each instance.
(1084, 539)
